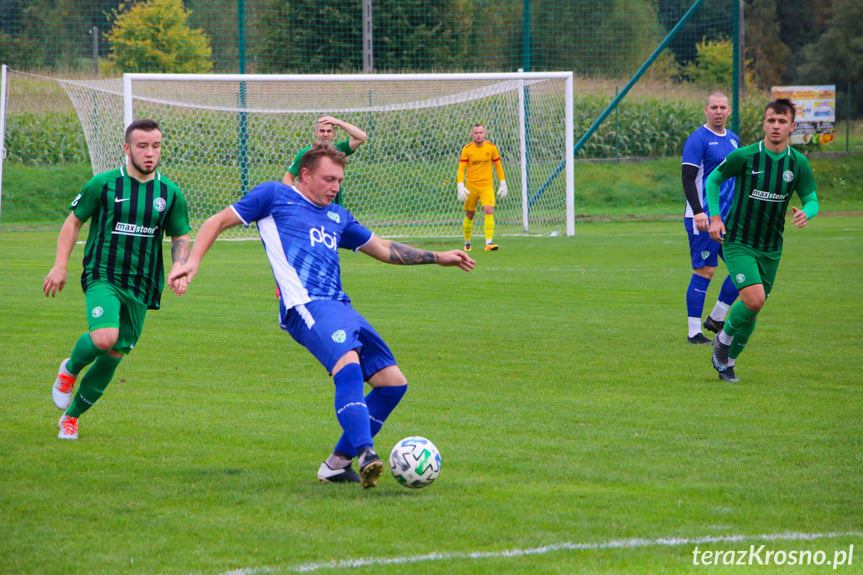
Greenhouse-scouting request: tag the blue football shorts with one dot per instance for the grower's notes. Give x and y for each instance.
(704, 251)
(329, 329)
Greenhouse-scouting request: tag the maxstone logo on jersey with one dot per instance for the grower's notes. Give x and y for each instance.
(320, 236)
(766, 196)
(133, 230)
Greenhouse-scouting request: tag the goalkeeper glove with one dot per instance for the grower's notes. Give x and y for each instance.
(462, 192)
(501, 190)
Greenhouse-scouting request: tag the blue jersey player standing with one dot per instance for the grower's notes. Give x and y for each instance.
(703, 151)
(302, 231)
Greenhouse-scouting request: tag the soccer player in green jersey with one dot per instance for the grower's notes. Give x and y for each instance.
(767, 174)
(130, 210)
(325, 131)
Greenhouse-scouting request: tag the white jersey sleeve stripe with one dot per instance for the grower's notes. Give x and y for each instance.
(239, 215)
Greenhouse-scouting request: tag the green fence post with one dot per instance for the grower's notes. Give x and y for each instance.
(242, 120)
(525, 37)
(737, 9)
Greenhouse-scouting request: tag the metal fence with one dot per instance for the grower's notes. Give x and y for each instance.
(592, 38)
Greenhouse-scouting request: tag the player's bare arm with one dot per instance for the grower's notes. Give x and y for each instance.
(406, 255)
(55, 281)
(180, 249)
(392, 252)
(181, 275)
(179, 255)
(357, 136)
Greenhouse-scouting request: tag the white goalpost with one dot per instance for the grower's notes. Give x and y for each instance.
(223, 134)
(3, 80)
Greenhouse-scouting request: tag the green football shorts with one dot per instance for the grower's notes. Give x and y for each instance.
(747, 266)
(111, 306)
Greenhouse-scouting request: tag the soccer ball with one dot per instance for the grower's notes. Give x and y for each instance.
(415, 462)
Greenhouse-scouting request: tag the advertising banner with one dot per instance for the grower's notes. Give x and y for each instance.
(816, 112)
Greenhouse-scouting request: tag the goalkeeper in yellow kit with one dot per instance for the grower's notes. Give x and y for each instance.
(476, 184)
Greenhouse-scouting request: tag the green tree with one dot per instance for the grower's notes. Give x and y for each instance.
(610, 39)
(311, 36)
(837, 56)
(417, 35)
(797, 26)
(20, 52)
(60, 30)
(712, 21)
(326, 35)
(713, 68)
(713, 65)
(493, 34)
(154, 36)
(764, 48)
(220, 19)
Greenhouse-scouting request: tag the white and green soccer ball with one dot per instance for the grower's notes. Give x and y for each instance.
(415, 462)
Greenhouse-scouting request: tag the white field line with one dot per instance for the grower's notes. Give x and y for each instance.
(634, 543)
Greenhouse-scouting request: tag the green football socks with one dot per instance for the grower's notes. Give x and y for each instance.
(740, 325)
(93, 384)
(83, 354)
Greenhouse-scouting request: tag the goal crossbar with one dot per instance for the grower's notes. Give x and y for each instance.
(502, 82)
(224, 133)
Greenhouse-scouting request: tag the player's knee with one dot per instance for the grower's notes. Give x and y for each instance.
(350, 357)
(390, 376)
(754, 303)
(105, 337)
(705, 272)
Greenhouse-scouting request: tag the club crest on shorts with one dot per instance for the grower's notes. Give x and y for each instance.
(740, 278)
(339, 336)
(97, 311)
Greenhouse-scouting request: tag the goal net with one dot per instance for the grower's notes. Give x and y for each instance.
(223, 134)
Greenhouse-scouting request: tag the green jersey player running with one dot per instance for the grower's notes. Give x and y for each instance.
(767, 173)
(130, 210)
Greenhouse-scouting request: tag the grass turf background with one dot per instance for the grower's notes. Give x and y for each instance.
(555, 379)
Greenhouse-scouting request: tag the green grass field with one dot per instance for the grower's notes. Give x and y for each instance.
(580, 433)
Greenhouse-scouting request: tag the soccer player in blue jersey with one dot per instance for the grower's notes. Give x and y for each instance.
(302, 231)
(705, 149)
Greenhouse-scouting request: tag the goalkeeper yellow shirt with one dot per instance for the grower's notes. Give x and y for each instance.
(478, 162)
